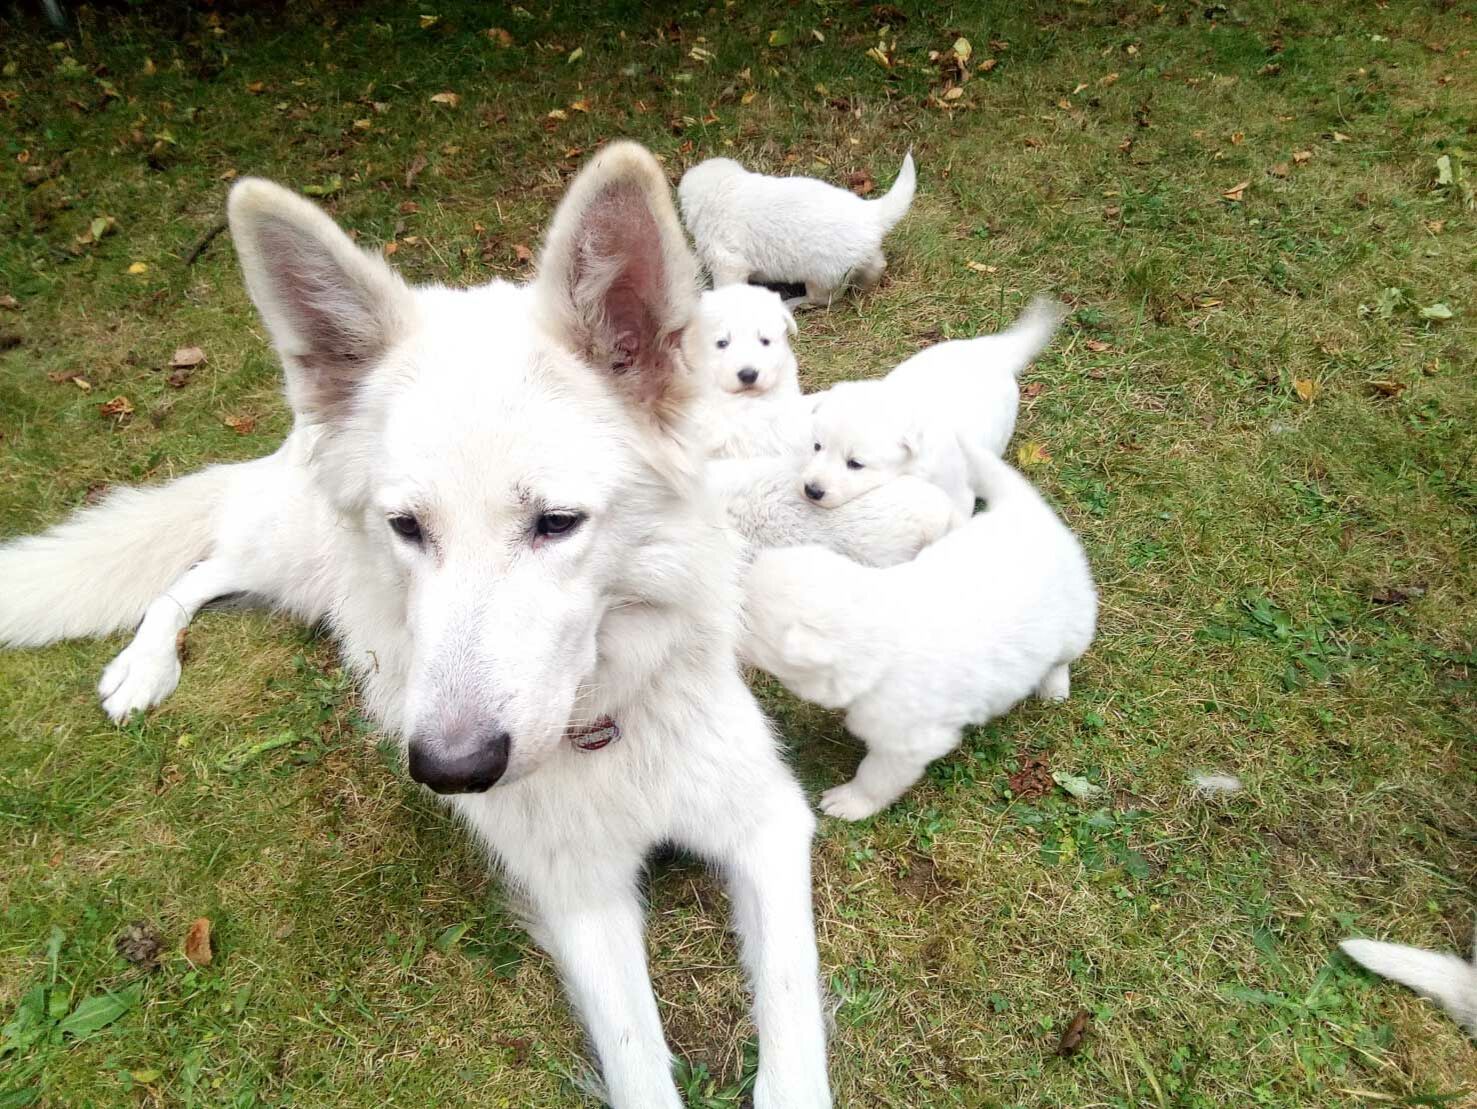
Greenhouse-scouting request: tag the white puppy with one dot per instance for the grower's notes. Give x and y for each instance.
(990, 613)
(789, 229)
(936, 416)
(738, 345)
(889, 525)
(1448, 980)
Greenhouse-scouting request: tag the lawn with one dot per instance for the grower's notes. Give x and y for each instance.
(1258, 418)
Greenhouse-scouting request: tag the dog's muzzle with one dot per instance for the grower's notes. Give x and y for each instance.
(460, 764)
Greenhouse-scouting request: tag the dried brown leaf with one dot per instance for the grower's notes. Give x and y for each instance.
(187, 358)
(241, 425)
(1074, 1035)
(197, 943)
(120, 407)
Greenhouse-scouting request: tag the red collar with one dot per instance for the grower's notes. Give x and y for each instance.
(602, 733)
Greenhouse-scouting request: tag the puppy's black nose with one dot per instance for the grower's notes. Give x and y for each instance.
(460, 764)
(814, 492)
(748, 376)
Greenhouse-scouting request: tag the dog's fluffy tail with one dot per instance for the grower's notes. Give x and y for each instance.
(97, 571)
(1445, 979)
(893, 205)
(1017, 346)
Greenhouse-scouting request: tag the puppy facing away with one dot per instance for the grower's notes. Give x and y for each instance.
(990, 613)
(938, 415)
(789, 229)
(748, 389)
(884, 527)
(1448, 980)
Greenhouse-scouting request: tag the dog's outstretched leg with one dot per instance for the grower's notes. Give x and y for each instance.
(1057, 685)
(766, 860)
(589, 919)
(887, 772)
(148, 669)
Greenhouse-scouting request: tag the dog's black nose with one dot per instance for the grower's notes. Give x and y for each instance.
(460, 764)
(748, 376)
(814, 492)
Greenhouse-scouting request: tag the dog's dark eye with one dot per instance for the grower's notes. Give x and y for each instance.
(817, 446)
(853, 464)
(763, 342)
(558, 523)
(722, 343)
(406, 527)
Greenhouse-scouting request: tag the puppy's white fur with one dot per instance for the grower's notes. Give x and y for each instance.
(748, 387)
(886, 526)
(1448, 980)
(990, 613)
(789, 229)
(936, 416)
(483, 633)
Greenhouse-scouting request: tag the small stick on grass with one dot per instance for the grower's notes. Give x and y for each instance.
(205, 241)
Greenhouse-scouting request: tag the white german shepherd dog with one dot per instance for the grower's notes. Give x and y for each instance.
(490, 496)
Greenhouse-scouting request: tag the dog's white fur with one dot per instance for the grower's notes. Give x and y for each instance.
(749, 402)
(492, 416)
(794, 230)
(936, 416)
(990, 613)
(888, 525)
(1448, 980)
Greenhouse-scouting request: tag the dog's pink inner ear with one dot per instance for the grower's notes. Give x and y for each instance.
(336, 333)
(620, 286)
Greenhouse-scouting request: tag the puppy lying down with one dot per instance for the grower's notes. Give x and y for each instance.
(935, 416)
(888, 525)
(789, 229)
(992, 612)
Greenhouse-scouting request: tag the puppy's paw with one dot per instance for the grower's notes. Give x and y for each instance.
(847, 802)
(1056, 686)
(138, 679)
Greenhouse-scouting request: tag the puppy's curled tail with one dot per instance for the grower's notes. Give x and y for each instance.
(1017, 346)
(893, 205)
(1445, 979)
(97, 571)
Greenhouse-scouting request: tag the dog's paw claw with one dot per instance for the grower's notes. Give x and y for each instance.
(848, 803)
(135, 681)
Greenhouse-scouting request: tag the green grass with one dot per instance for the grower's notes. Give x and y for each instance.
(1247, 542)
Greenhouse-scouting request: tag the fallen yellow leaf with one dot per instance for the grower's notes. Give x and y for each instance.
(139, 267)
(1032, 454)
(1306, 388)
(980, 267)
(450, 99)
(1235, 191)
(1301, 157)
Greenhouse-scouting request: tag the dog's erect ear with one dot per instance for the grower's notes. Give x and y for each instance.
(332, 310)
(617, 281)
(803, 646)
(790, 324)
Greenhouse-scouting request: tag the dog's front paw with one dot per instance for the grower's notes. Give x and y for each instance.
(848, 802)
(808, 1092)
(138, 679)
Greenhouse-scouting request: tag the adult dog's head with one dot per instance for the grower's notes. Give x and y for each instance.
(507, 463)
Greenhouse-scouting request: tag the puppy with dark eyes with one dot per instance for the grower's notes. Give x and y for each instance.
(934, 417)
(738, 348)
(996, 610)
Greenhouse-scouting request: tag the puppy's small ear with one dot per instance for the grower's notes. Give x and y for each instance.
(617, 282)
(331, 309)
(803, 646)
(912, 441)
(790, 325)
